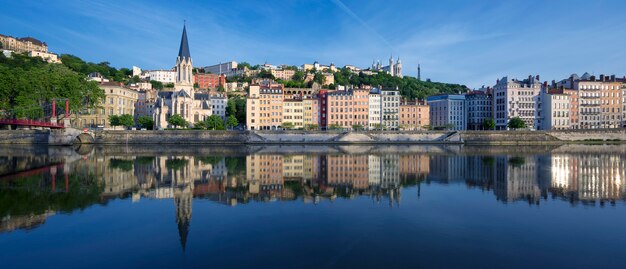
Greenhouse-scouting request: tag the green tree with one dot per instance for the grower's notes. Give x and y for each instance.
(215, 122)
(29, 84)
(157, 85)
(126, 120)
(357, 127)
(1, 45)
(201, 125)
(146, 122)
(310, 127)
(169, 85)
(221, 89)
(516, 123)
(489, 124)
(231, 107)
(114, 120)
(334, 126)
(287, 125)
(177, 120)
(232, 122)
(266, 74)
(298, 76)
(319, 78)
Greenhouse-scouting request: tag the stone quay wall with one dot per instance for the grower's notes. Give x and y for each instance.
(69, 136)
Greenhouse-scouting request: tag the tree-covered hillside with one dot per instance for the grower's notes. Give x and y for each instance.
(410, 87)
(28, 84)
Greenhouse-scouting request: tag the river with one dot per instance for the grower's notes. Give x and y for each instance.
(165, 206)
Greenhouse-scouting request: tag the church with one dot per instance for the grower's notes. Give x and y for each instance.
(184, 100)
(394, 69)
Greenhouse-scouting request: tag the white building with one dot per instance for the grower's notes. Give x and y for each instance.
(374, 117)
(163, 76)
(448, 111)
(515, 98)
(218, 104)
(556, 111)
(46, 56)
(136, 71)
(390, 109)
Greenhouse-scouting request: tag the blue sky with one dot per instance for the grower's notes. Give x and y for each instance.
(468, 42)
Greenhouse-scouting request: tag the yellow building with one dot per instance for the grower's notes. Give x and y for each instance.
(23, 44)
(310, 112)
(293, 113)
(118, 100)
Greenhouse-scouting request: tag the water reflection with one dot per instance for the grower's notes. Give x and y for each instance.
(37, 183)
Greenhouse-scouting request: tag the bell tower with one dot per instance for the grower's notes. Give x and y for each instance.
(184, 65)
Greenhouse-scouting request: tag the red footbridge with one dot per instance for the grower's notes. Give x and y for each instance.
(48, 120)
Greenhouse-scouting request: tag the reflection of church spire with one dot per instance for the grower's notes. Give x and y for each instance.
(183, 215)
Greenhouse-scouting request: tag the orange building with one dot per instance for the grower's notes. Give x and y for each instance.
(611, 103)
(340, 110)
(414, 115)
(360, 104)
(209, 81)
(573, 107)
(414, 165)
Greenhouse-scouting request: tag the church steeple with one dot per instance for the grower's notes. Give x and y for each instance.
(184, 65)
(183, 52)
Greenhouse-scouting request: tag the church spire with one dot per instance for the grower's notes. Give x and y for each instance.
(183, 52)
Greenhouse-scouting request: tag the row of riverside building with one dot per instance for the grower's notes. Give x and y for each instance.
(270, 106)
(585, 102)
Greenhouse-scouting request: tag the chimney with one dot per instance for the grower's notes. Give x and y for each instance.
(592, 78)
(601, 77)
(613, 78)
(538, 78)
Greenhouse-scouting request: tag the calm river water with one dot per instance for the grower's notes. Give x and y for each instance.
(313, 207)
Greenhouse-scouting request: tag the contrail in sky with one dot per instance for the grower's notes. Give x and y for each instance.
(347, 10)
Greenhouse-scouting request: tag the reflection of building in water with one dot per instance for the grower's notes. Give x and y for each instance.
(447, 168)
(589, 177)
(373, 170)
(348, 170)
(264, 173)
(414, 165)
(480, 171)
(390, 171)
(516, 178)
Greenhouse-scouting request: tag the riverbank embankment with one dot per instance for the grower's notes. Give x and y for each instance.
(70, 136)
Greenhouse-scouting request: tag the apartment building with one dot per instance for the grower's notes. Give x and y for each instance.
(374, 119)
(360, 106)
(163, 76)
(209, 81)
(310, 107)
(264, 107)
(118, 100)
(448, 111)
(293, 112)
(390, 109)
(556, 108)
(517, 98)
(414, 115)
(479, 109)
(340, 109)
